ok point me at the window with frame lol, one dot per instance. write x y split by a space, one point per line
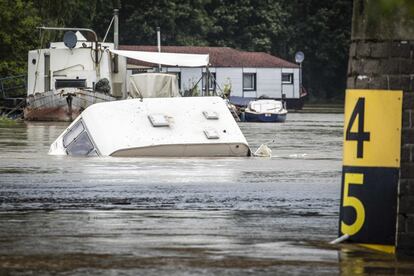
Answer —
139 70
211 81
77 142
249 81
287 78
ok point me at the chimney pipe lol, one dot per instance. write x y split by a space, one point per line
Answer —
116 30
159 45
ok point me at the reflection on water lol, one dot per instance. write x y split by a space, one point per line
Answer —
178 216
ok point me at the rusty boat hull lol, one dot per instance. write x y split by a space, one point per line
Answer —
58 106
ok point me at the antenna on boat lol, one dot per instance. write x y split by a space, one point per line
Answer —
70 39
115 20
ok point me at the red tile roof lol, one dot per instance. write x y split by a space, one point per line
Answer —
219 56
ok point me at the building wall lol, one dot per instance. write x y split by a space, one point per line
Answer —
234 77
268 80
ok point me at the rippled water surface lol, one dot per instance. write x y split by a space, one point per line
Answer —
232 216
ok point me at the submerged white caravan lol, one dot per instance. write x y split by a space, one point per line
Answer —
159 127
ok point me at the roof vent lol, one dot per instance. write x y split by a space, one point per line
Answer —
211 115
211 133
159 120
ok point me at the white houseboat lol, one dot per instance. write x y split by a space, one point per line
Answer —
67 77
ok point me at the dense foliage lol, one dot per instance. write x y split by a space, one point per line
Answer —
319 28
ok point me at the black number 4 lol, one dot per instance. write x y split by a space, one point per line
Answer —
359 136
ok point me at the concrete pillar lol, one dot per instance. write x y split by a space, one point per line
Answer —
382 57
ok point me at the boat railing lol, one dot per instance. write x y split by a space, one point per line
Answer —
13 87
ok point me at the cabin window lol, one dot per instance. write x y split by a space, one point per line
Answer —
78 83
287 78
211 81
249 81
140 70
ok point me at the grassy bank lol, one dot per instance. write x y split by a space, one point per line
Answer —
6 121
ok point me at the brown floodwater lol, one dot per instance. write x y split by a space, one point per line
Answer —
176 216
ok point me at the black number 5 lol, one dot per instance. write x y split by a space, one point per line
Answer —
360 136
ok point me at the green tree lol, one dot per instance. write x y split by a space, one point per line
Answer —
247 24
322 30
181 22
18 20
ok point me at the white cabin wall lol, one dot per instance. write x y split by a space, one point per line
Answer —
118 80
231 76
288 89
65 63
296 81
39 66
72 63
268 82
172 69
222 78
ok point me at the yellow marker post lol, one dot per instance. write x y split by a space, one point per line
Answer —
371 161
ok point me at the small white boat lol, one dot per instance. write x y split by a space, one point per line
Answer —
159 127
265 111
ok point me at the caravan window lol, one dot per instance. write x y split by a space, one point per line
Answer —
73 133
81 146
77 141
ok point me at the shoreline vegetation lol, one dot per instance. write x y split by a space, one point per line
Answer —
321 108
6 121
320 29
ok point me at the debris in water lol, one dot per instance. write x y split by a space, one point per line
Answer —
263 151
